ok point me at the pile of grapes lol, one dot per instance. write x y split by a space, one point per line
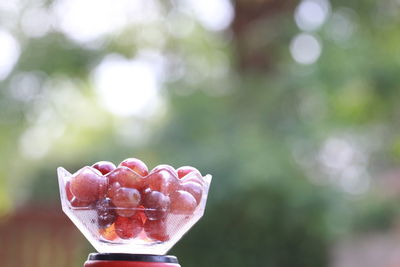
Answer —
132 202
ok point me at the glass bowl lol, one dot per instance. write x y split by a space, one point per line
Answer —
145 228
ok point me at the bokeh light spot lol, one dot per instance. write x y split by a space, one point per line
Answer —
305 48
36 22
311 14
87 21
214 15
344 162
342 25
126 87
33 143
25 86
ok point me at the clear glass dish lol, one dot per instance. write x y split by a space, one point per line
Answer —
107 239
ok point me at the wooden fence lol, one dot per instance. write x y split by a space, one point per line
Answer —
40 237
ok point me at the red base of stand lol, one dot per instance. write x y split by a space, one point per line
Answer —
130 260
128 264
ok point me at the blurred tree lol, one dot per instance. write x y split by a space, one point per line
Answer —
255 32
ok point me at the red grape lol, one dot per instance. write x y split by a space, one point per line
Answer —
87 185
156 205
104 166
125 177
156 230
126 200
193 188
108 233
128 227
70 196
79 204
185 170
73 200
182 202
136 165
162 181
112 189
105 213
166 167
193 177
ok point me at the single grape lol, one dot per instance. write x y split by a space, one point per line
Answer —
112 189
185 170
165 167
125 177
136 165
128 227
104 166
194 176
70 196
156 230
182 202
79 204
156 205
190 174
105 212
162 181
108 233
88 186
193 188
126 200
